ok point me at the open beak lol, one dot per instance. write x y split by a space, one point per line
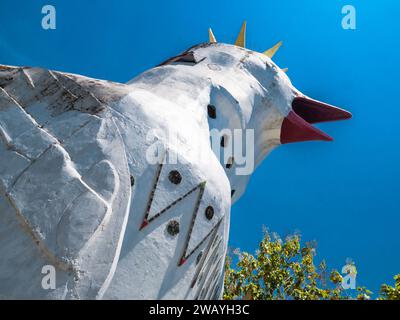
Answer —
296 127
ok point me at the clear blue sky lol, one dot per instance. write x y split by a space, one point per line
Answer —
345 194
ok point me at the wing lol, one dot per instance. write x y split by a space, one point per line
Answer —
64 183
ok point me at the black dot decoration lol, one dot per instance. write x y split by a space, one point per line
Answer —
212 111
199 256
132 181
229 164
209 212
175 177
173 227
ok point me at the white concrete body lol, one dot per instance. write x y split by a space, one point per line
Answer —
69 146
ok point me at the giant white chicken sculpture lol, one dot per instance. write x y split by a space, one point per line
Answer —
117 187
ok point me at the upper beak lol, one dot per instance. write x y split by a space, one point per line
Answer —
296 127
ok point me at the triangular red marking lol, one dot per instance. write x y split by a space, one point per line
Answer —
144 224
182 261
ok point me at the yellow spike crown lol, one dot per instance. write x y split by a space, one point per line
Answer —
241 39
211 36
241 42
271 52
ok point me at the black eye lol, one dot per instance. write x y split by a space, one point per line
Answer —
212 111
224 140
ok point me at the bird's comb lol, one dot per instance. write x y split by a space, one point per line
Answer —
241 42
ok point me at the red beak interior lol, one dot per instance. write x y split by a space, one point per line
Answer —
296 127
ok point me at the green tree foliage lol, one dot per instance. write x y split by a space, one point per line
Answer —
286 270
391 293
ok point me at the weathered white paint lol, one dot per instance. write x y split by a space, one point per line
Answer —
69 145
